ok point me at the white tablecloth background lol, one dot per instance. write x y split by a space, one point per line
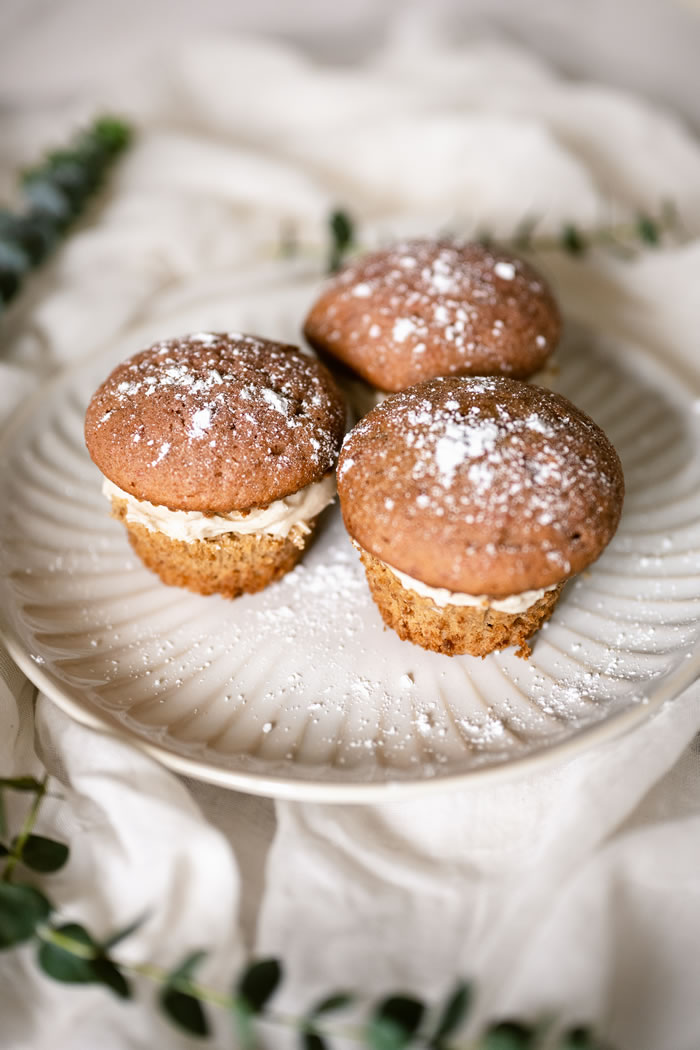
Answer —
575 891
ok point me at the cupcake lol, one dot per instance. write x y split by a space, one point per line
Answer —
217 452
471 502
428 308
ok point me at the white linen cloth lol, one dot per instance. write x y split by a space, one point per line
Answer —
573 891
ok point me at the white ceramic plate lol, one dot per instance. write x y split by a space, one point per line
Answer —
299 692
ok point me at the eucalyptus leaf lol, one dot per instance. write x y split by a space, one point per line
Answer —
342 233
9 284
184 1010
22 908
578 1038
311 1039
13 257
42 854
243 1023
108 973
648 229
259 983
572 240
381 1033
453 1013
184 971
36 234
46 196
65 965
508 1035
80 962
394 1022
126 931
112 133
338 1001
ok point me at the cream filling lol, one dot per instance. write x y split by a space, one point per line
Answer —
512 603
277 519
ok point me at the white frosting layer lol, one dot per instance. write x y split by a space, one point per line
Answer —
513 603
277 519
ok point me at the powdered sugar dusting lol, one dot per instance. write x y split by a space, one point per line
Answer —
453 308
254 405
483 459
201 421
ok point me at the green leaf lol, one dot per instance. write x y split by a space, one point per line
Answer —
454 1012
578 1038
36 235
185 1011
179 1002
108 973
21 783
42 854
184 971
13 257
312 1040
243 1023
112 133
3 816
508 1035
259 982
81 962
65 965
126 931
338 1001
9 284
47 197
342 233
572 240
394 1022
22 908
648 229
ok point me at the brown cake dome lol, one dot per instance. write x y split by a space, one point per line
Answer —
426 308
472 501
218 453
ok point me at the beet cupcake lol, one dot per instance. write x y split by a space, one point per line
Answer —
471 502
426 308
218 453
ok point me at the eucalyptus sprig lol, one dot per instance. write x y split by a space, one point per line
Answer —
67 952
643 230
56 192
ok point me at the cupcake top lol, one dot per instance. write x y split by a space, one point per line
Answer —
427 308
480 485
216 422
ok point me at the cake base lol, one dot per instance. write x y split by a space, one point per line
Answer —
454 629
230 565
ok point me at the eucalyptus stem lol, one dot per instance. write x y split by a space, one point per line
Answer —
645 230
69 953
56 192
15 854
49 935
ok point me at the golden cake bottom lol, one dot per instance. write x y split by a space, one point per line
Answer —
230 565
454 629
